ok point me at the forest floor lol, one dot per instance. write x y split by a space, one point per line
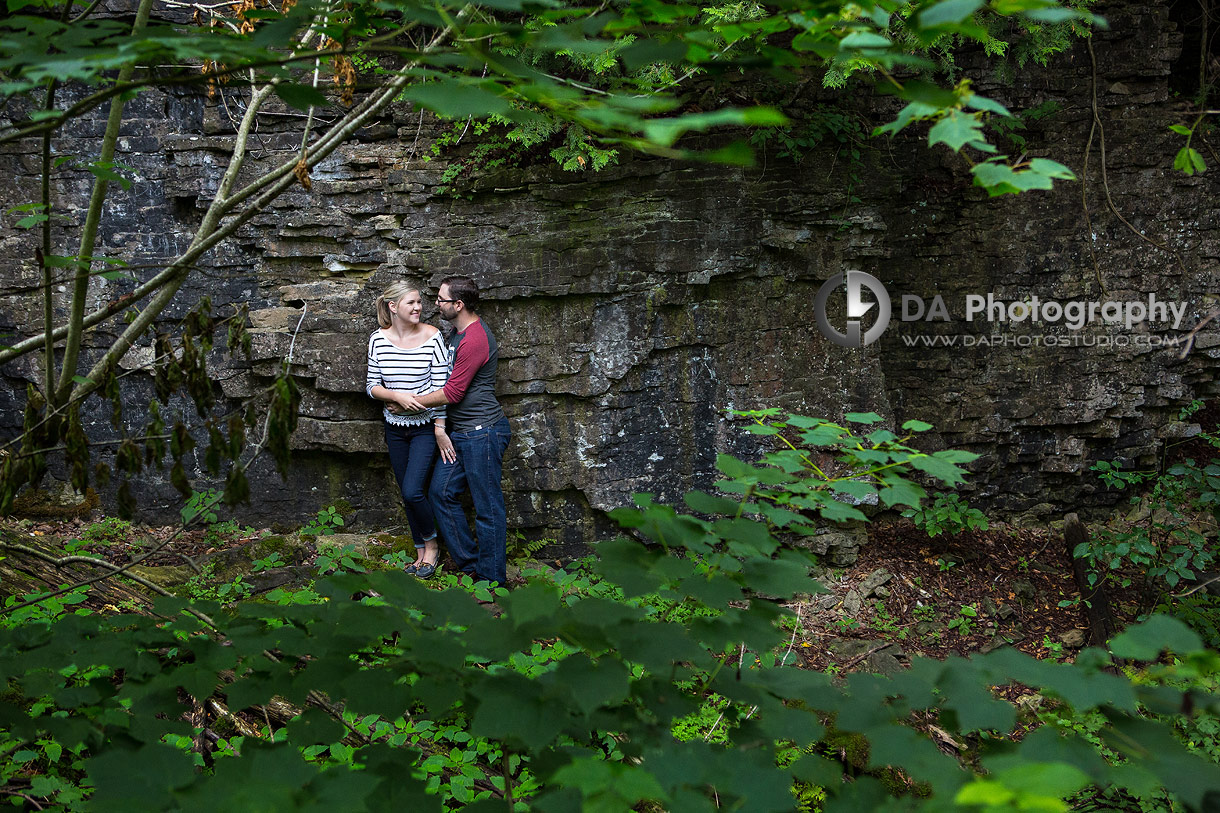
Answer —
907 595
910 595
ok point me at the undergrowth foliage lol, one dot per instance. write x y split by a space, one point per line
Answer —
661 679
1166 544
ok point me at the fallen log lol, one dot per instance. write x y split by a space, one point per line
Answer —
31 565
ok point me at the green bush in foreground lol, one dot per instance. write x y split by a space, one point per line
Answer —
666 683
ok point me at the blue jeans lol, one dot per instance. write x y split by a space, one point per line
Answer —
412 451
480 458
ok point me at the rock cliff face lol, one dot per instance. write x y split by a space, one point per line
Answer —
634 305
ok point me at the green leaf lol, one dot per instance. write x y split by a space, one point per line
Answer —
706 503
1054 16
646 52
840 512
901 492
1180 129
1189 161
987 105
930 94
533 601
956 130
510 709
862 417
315 727
449 97
519 5
946 472
1051 169
916 426
26 207
630 565
985 792
781 578
896 745
1000 179
749 534
118 787
737 153
1153 748
665 131
948 13
1197 160
966 694
593 684
863 40
879 436
302 97
780 517
104 171
616 785
855 489
956 455
1146 641
915 111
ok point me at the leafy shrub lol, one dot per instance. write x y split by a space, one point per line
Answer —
949 514
571 696
108 531
1164 546
339 560
328 520
201 507
967 615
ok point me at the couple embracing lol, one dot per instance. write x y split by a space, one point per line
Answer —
444 428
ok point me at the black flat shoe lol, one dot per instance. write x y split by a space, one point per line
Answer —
426 570
411 569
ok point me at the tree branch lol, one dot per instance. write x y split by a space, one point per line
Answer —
93 218
1190 337
271 185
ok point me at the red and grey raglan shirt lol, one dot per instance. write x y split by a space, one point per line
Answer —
471 388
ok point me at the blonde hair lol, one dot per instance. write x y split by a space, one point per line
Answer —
394 292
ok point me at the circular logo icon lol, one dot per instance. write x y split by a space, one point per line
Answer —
856 308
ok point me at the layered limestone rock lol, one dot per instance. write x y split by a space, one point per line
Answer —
634 305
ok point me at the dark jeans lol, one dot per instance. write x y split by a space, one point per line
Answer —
412 452
480 457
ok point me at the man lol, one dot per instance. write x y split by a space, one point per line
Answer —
480 435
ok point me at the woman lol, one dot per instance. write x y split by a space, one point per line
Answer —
410 357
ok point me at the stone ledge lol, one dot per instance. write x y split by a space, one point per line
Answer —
339 436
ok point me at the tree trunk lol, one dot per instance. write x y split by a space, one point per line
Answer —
1095 600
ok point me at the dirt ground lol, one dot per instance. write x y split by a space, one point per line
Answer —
909 594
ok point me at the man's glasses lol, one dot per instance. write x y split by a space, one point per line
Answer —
439 298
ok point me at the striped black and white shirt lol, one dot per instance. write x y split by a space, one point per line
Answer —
418 370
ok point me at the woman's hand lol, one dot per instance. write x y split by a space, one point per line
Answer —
403 403
409 403
445 444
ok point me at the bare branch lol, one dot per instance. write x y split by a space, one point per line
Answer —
271 185
1190 337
